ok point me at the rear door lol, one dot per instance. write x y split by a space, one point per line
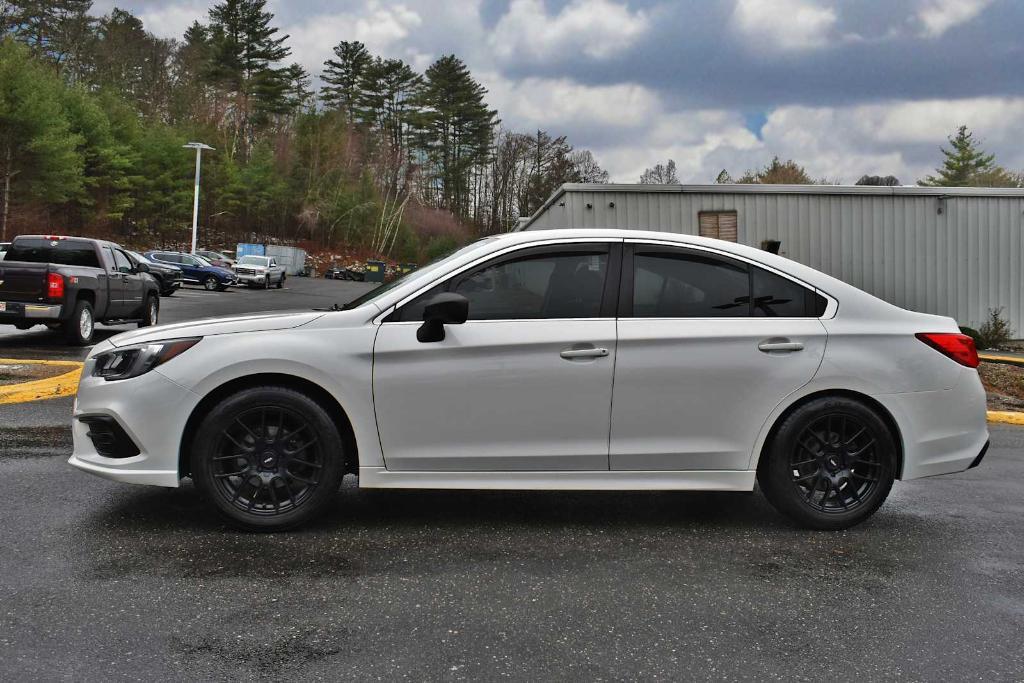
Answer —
524 385
708 346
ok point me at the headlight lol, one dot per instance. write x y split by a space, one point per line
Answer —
131 361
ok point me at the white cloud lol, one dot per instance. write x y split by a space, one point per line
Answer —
938 16
595 28
169 20
381 28
784 24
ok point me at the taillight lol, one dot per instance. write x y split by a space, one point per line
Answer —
959 347
55 286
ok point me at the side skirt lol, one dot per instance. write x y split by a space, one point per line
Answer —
696 480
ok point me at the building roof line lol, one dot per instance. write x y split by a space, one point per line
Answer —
861 190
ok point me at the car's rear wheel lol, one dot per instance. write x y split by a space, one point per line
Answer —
269 458
280 283
210 283
151 311
79 328
830 464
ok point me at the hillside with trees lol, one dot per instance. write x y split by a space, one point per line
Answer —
94 112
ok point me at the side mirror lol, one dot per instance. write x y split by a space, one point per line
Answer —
142 267
443 309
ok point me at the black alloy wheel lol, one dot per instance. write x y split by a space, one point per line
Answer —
269 458
830 464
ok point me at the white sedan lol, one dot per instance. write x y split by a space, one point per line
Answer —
583 359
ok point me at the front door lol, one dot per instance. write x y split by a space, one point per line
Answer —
525 384
708 347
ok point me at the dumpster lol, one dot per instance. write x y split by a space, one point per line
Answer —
406 268
375 271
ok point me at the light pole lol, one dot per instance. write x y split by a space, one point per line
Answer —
198 147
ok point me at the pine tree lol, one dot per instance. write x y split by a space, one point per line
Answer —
965 162
454 130
57 30
342 76
39 157
245 52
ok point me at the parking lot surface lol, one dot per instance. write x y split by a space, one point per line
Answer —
108 581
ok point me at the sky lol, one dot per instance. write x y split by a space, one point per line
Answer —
845 87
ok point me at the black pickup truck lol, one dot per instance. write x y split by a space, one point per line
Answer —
71 283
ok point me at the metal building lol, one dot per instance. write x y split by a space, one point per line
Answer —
951 251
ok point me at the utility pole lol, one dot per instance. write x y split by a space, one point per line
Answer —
198 147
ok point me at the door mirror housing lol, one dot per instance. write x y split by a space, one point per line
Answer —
141 267
447 308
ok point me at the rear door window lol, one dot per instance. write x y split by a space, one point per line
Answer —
689 285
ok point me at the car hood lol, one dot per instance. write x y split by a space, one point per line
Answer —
263 322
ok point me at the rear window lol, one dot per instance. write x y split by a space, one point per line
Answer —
62 252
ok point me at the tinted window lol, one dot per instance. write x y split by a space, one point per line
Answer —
121 262
551 285
169 258
559 285
63 252
775 296
191 261
685 285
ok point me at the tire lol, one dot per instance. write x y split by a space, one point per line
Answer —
151 311
210 283
833 447
257 481
280 283
79 328
266 282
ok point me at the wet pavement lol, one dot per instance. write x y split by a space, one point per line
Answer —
108 581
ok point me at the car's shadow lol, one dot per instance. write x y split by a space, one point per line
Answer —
370 531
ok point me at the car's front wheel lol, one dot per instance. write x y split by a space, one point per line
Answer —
280 283
210 283
830 464
269 458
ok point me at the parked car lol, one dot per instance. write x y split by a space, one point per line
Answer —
550 359
195 269
336 272
167 277
216 258
4 246
260 271
71 283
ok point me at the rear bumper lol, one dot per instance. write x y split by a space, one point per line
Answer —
943 432
17 312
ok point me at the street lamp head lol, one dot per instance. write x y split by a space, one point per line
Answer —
197 145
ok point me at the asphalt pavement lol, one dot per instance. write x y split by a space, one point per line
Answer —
107 581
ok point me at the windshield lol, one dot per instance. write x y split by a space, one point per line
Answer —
138 257
202 261
419 274
253 261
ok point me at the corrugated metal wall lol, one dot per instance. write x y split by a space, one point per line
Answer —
959 263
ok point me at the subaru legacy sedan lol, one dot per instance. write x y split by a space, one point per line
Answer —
562 359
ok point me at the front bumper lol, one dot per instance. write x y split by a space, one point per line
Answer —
151 410
16 312
249 278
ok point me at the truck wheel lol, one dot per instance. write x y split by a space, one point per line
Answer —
210 283
280 283
79 327
151 312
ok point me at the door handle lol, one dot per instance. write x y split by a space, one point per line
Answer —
575 354
779 346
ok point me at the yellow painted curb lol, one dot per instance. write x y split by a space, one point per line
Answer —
996 358
1006 417
42 389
